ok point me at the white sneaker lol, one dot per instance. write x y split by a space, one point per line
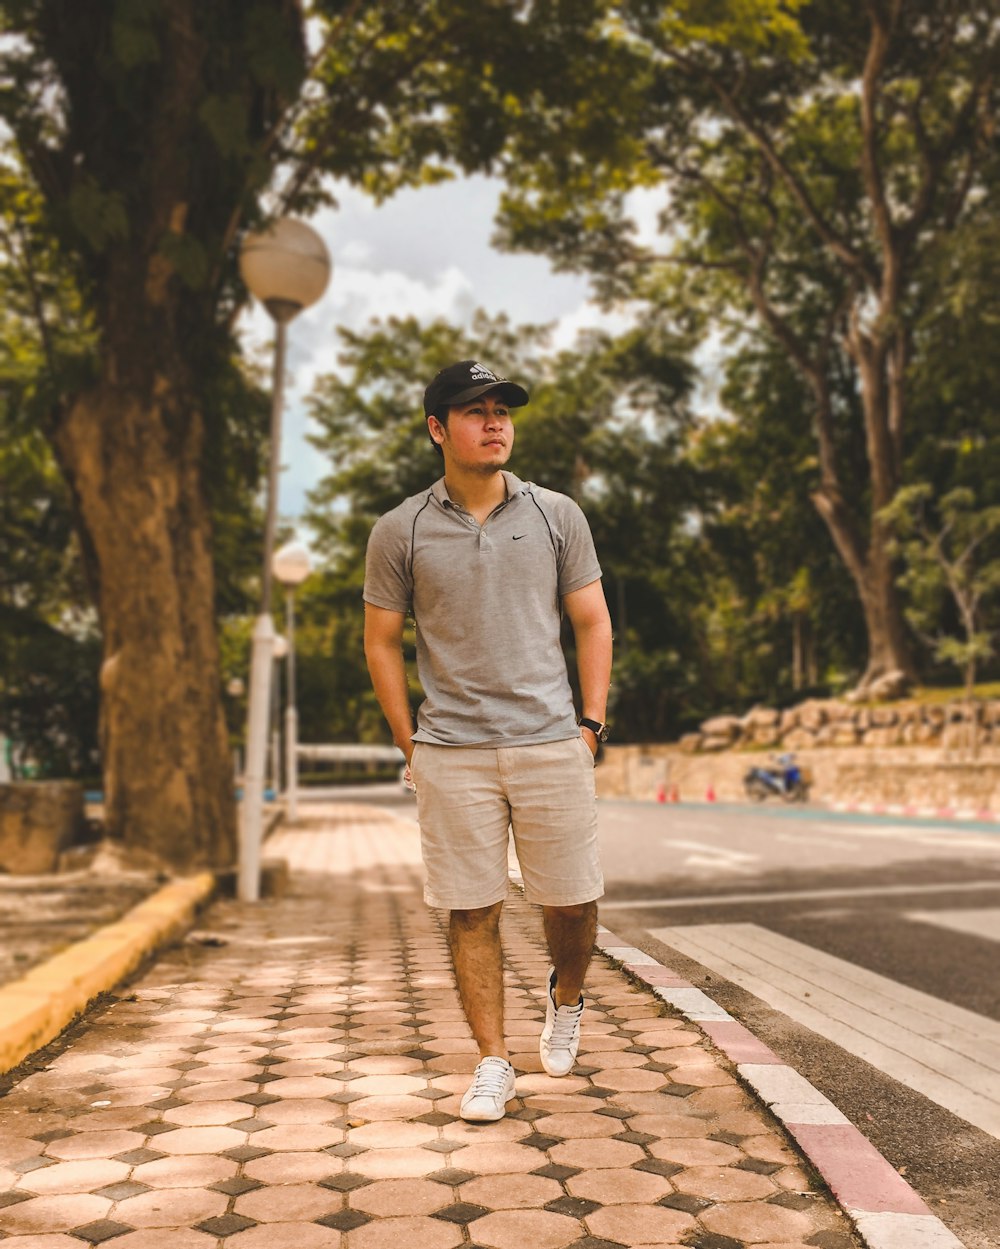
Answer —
491 1089
560 1037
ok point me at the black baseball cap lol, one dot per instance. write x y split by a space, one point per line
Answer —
465 381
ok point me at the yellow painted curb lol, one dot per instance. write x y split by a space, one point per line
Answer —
36 1008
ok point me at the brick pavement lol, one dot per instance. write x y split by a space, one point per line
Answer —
298 1086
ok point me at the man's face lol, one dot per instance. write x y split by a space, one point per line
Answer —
479 435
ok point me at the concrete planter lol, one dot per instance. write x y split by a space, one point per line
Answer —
38 820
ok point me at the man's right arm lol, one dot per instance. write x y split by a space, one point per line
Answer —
384 655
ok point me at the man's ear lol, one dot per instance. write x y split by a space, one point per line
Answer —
436 430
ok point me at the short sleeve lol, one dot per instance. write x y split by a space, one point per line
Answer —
576 557
388 582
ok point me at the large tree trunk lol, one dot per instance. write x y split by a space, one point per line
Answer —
874 576
888 646
134 466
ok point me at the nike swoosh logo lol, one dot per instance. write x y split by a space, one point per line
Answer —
518 536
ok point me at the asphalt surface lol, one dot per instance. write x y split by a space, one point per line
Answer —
882 895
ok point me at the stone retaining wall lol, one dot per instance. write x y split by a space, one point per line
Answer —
911 776
836 722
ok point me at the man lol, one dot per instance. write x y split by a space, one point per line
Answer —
487 563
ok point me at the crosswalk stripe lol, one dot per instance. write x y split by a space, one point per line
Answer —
949 1054
977 923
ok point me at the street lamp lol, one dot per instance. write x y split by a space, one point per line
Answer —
291 565
287 267
278 653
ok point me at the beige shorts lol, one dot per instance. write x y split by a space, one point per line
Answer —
467 799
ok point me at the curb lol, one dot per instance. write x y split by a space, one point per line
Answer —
967 815
884 1209
923 813
36 1008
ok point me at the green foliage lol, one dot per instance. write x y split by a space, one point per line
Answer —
951 551
100 217
609 424
145 134
780 605
821 170
955 437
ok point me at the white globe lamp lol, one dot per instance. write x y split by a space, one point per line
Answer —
286 266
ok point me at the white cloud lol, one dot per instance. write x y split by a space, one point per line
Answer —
588 317
426 253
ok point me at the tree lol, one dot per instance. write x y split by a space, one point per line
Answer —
815 160
144 135
608 424
951 551
794 621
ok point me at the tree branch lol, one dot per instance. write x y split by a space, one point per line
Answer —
838 245
875 59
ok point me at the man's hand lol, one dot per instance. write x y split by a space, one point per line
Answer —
590 737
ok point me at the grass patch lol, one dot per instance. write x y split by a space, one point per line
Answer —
953 693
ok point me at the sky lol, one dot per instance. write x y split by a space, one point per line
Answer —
425 253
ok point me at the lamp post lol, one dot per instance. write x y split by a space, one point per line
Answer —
291 565
287 267
279 653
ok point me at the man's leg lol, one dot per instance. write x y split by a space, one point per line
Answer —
570 932
474 937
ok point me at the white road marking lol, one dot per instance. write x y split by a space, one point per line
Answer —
986 844
984 923
949 1054
712 857
914 835
799 895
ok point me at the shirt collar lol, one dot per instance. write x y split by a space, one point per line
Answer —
514 486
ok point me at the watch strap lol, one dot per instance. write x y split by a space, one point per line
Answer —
599 730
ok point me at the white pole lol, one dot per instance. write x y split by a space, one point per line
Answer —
276 729
252 806
291 720
262 662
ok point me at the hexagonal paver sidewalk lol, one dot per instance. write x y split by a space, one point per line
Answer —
291 1080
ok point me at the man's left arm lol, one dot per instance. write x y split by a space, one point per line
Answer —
588 614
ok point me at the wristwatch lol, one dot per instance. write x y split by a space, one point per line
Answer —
599 730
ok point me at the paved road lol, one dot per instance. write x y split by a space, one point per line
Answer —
864 951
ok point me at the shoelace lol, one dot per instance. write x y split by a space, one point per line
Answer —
489 1079
564 1026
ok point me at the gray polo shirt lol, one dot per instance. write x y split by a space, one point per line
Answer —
487 604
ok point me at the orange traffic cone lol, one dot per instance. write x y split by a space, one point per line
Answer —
710 793
661 792
674 794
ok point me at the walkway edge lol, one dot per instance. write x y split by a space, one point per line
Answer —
36 1008
886 1212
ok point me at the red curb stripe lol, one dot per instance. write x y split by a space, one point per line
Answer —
739 1044
858 1176
861 1180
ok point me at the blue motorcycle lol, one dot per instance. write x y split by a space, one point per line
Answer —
785 780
